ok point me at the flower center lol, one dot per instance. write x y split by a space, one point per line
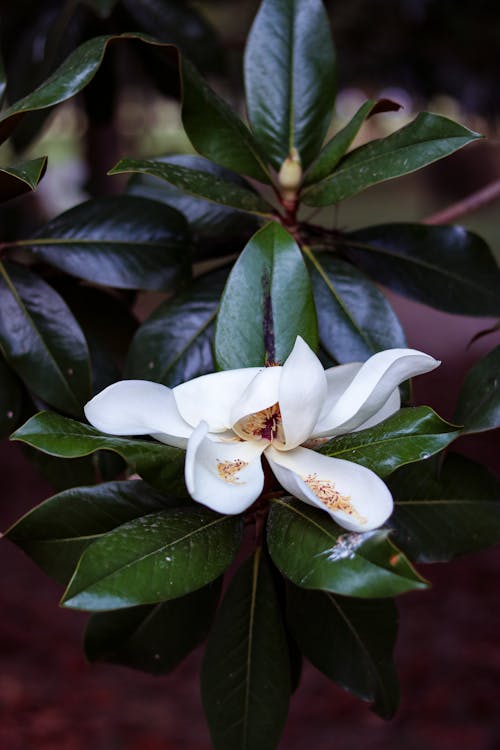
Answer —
325 491
263 425
228 470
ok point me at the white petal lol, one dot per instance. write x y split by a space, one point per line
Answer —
261 393
310 476
371 388
391 406
226 477
337 380
138 407
210 398
302 394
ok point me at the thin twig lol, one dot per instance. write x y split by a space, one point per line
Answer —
472 202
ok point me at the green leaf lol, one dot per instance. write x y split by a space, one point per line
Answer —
205 218
199 183
444 267
159 464
355 319
152 638
245 681
42 341
437 518
69 79
290 78
126 242
315 553
350 640
56 533
424 140
11 399
478 406
256 320
331 154
154 558
409 435
107 320
22 178
175 343
215 130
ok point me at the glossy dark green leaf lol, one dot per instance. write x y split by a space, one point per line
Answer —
478 406
331 154
445 267
424 140
152 638
215 130
11 399
315 553
175 343
159 464
69 79
42 341
199 183
355 319
107 320
56 533
125 241
21 178
205 218
290 78
350 640
157 557
438 517
409 435
245 680
257 321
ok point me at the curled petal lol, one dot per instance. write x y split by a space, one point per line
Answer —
261 393
226 477
352 495
371 388
210 398
138 407
391 406
302 393
338 378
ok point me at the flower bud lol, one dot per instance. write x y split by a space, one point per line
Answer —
290 175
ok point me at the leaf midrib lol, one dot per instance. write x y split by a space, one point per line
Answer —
412 259
140 559
24 310
373 666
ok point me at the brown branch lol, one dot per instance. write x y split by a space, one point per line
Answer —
472 202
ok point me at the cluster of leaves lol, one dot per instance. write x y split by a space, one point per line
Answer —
141 555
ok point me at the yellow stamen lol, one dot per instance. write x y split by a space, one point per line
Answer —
265 424
325 491
228 470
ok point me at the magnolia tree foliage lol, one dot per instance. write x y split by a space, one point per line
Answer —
230 369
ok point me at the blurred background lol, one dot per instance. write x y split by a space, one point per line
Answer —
440 55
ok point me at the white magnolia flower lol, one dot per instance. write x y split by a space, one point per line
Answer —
226 420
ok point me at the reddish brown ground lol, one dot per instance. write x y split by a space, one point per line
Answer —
51 699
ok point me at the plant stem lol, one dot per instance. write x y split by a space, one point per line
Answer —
472 202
